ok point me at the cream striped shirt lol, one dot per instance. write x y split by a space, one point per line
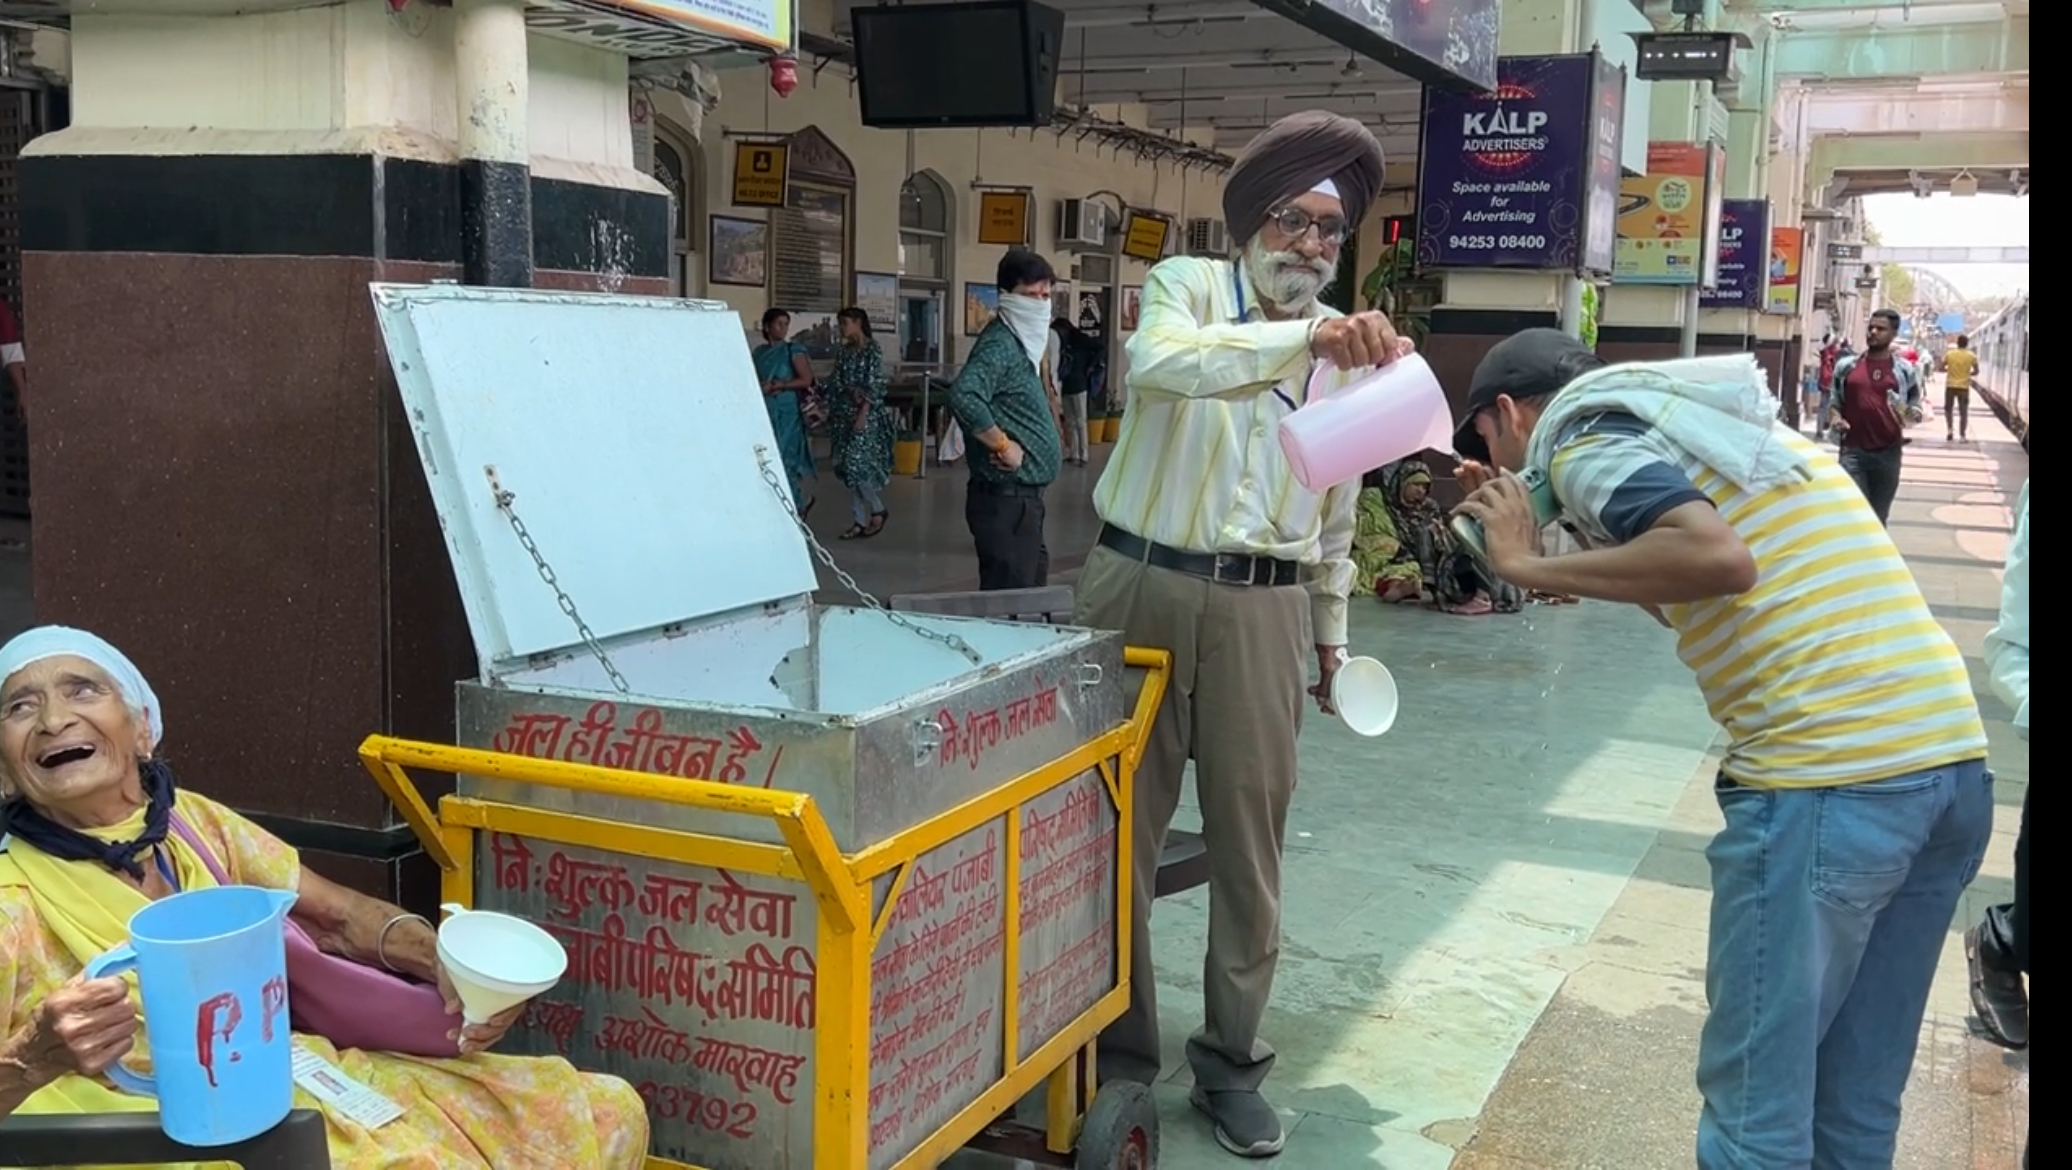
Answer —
1198 464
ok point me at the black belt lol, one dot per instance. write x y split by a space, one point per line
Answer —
991 487
1222 568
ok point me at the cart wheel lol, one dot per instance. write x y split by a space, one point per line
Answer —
1121 1131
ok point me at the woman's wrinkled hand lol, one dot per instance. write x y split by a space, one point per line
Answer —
82 1027
481 1037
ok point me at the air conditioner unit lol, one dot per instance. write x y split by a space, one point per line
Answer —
1208 237
1083 224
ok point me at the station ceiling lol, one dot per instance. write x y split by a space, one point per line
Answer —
1223 65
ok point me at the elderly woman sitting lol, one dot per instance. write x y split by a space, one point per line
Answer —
94 829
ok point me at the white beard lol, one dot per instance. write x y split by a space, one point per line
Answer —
1288 281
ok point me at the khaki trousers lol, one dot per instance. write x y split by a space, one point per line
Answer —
1240 666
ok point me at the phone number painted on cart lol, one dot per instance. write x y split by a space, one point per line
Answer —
1487 242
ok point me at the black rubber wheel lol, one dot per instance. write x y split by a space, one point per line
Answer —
1121 1131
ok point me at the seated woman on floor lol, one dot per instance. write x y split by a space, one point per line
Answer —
1405 551
92 828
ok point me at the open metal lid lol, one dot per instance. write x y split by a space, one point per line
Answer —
623 434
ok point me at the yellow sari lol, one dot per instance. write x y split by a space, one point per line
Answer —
510 1112
88 909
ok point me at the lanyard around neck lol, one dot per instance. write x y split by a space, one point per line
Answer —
1244 316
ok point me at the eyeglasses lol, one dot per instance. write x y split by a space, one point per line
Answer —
1295 223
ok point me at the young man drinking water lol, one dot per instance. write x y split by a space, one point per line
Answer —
1854 785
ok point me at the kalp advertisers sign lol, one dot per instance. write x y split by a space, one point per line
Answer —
1744 256
1503 178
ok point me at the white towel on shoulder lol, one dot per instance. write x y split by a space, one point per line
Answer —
1720 409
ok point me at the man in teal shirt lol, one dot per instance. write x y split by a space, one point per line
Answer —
1002 403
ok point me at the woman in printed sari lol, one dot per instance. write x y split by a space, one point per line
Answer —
1452 579
861 423
786 375
1383 565
94 828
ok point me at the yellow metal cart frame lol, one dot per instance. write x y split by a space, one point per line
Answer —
841 887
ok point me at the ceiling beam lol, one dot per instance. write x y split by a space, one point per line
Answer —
1406 94
1259 120
1176 15
1963 254
1928 50
1868 7
1256 59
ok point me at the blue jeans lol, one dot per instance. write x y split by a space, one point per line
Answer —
1829 910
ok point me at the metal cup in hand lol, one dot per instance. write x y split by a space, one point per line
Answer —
1545 510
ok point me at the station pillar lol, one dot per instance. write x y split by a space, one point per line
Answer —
226 484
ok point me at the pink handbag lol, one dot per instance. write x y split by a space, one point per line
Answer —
351 1004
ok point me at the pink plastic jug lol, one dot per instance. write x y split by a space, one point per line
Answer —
1388 414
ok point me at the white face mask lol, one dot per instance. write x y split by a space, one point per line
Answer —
1287 280
1029 318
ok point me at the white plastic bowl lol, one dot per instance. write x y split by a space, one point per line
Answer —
1364 692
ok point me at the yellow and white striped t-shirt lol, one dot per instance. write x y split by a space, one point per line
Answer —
1831 670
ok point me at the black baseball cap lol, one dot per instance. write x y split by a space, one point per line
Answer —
1532 364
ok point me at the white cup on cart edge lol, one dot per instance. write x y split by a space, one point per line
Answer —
1364 694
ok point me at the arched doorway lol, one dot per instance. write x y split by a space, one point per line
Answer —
676 167
925 268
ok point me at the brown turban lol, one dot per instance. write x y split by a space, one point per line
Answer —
1290 158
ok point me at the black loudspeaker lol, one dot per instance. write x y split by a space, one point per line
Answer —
989 63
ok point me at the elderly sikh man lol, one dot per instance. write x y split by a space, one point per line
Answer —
1210 549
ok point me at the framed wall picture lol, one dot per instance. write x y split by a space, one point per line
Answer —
877 294
740 253
981 302
1132 304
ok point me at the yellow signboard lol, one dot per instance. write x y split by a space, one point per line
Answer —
1003 217
1144 237
759 173
1662 218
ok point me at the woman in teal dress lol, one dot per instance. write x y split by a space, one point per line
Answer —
860 423
786 375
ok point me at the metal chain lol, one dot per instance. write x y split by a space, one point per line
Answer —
783 494
504 500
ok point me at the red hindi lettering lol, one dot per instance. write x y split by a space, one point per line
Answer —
591 744
741 744
557 1020
531 733
510 862
668 897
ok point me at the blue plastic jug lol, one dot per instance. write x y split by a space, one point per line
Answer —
212 967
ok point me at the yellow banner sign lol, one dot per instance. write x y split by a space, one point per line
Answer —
759 173
1662 218
1144 237
1003 218
1786 262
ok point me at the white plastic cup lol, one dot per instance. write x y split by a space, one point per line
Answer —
1364 694
495 961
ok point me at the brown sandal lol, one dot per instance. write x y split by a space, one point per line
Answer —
877 523
855 531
